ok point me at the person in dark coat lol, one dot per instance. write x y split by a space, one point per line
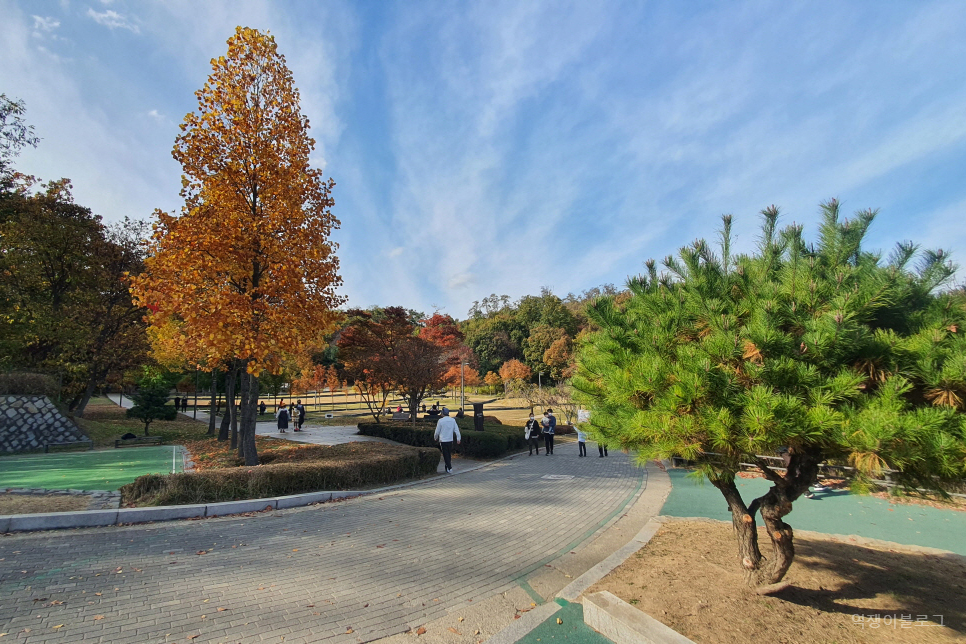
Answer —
177 403
531 434
282 416
299 413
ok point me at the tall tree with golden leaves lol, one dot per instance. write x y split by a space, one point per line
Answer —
247 269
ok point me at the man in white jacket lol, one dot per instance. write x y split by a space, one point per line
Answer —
446 431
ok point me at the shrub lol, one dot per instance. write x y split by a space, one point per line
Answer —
493 441
265 481
18 383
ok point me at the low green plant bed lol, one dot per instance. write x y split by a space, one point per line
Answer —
374 465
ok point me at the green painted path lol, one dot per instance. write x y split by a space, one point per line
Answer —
94 470
573 629
833 512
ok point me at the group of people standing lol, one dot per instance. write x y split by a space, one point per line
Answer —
297 416
545 427
181 404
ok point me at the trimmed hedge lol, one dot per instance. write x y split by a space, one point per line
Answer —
264 481
18 383
493 441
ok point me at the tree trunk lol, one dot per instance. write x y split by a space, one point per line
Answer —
225 426
234 411
86 397
802 471
249 411
214 402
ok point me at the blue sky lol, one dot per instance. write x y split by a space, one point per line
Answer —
498 147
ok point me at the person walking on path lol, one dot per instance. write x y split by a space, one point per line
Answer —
602 448
261 407
299 415
184 405
282 416
582 442
177 403
446 431
531 434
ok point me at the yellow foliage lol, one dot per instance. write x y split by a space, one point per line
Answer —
247 269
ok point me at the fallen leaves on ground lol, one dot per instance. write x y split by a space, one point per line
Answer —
420 631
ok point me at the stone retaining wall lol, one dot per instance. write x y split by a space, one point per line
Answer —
30 422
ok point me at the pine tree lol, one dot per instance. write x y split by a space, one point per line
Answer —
824 349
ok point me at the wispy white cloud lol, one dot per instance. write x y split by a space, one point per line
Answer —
47 24
500 146
113 20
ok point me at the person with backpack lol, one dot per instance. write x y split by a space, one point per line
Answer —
531 434
282 416
299 415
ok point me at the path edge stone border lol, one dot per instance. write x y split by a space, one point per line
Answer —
620 622
614 618
126 516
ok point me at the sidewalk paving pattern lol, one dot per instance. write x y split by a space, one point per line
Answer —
832 512
346 572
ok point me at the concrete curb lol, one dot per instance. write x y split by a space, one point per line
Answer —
127 516
57 520
521 627
98 518
617 620
576 588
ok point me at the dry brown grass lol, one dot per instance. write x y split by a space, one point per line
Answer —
36 503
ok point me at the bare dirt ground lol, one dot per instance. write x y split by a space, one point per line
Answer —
688 578
34 503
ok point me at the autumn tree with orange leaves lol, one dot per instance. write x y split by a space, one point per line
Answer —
225 269
514 370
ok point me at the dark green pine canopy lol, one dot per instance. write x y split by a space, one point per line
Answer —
822 348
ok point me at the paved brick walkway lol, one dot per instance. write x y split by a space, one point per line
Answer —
346 572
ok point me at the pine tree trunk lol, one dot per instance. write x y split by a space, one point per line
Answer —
759 570
214 402
249 411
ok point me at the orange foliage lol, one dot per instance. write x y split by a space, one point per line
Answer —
469 377
513 369
247 270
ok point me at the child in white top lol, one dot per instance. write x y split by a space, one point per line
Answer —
582 442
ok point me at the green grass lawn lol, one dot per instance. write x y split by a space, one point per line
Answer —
93 470
104 422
